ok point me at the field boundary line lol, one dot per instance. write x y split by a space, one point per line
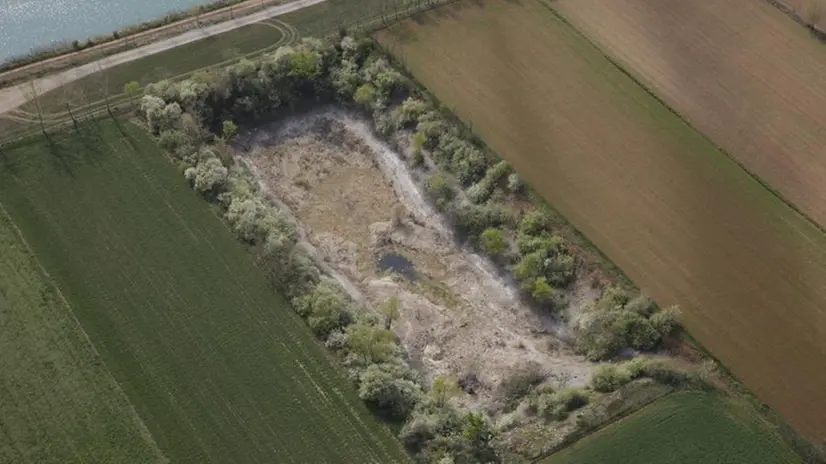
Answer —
289 35
14 96
817 33
567 443
630 75
49 281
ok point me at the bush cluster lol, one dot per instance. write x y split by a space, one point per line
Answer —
611 377
556 404
545 264
618 321
196 118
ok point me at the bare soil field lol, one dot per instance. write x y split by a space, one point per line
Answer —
357 203
811 12
739 71
684 221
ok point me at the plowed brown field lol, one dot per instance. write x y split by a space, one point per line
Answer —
683 220
740 71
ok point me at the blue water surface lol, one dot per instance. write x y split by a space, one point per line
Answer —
32 24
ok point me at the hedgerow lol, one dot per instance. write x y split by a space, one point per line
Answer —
195 120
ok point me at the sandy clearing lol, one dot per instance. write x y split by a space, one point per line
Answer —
685 223
344 186
739 71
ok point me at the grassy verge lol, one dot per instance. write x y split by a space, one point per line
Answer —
56 397
131 36
175 62
217 366
683 428
317 20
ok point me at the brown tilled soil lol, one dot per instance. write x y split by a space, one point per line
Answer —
740 71
811 12
679 217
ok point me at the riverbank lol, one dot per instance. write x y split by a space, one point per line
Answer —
76 53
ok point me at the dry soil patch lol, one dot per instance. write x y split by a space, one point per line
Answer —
357 203
740 71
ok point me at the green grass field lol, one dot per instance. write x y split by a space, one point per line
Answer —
216 365
683 428
317 20
326 17
178 61
58 401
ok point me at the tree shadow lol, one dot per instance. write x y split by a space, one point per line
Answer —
61 157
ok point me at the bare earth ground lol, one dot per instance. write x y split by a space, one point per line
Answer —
681 219
810 11
345 187
740 71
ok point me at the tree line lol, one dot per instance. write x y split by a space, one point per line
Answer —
195 121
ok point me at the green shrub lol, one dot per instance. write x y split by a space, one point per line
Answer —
558 405
468 164
170 140
417 142
534 222
408 113
529 268
438 189
641 305
494 242
428 423
372 343
434 127
209 176
542 291
336 341
637 330
666 373
472 220
543 242
365 95
666 321
480 192
388 394
635 367
618 321
609 377
560 269
515 183
325 309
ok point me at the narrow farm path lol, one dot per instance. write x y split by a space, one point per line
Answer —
15 96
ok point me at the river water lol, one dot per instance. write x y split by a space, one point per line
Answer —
30 24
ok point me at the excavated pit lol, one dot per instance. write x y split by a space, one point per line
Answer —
362 213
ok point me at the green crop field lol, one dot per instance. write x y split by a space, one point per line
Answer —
216 365
317 20
168 64
683 428
57 399
680 218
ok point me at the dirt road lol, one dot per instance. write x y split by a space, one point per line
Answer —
15 96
